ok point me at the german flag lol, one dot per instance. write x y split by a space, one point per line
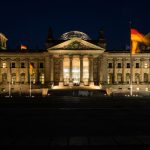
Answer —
137 37
23 47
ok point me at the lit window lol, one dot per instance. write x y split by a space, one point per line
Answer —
4 65
109 78
137 78
127 77
33 79
146 77
22 78
4 77
119 77
146 89
145 65
42 78
137 88
13 78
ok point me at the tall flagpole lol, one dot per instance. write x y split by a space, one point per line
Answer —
30 87
30 80
131 65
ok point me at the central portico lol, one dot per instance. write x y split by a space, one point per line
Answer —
76 57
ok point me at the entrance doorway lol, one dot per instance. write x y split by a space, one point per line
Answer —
76 71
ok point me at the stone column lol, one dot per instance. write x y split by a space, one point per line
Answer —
71 58
18 66
123 70
141 70
47 69
51 69
61 83
114 70
91 70
81 71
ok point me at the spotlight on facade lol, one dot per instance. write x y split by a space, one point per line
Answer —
137 88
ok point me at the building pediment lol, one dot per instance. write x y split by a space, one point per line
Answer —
76 44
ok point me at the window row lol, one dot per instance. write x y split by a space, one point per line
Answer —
22 78
119 65
111 78
22 65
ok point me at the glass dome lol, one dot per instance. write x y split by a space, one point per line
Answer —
72 34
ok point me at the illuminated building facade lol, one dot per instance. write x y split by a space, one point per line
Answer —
73 61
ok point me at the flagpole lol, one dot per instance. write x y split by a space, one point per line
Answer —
9 86
30 87
30 81
131 66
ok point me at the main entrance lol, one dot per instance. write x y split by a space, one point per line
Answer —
72 68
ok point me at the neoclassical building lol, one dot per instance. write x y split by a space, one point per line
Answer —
74 60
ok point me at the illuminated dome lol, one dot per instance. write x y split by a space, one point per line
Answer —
72 34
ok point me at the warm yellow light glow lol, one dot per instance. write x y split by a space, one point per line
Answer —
137 88
145 65
4 65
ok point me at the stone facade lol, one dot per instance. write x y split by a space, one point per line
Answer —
74 62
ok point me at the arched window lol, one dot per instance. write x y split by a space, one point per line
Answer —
146 77
13 78
119 77
4 77
128 77
137 78
22 78
42 78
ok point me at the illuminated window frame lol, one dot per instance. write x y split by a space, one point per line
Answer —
4 65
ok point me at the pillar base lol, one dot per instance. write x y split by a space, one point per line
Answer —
61 84
81 83
91 84
70 83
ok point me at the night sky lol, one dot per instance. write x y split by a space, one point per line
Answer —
27 21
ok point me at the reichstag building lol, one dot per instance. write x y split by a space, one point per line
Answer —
73 61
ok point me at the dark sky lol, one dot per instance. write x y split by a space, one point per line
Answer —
27 21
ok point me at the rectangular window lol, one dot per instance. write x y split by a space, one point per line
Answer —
110 65
4 65
119 65
128 65
42 78
13 65
22 65
41 65
137 65
145 65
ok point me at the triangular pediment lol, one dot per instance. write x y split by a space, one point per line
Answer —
76 44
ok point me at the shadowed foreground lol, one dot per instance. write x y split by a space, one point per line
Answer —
75 123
